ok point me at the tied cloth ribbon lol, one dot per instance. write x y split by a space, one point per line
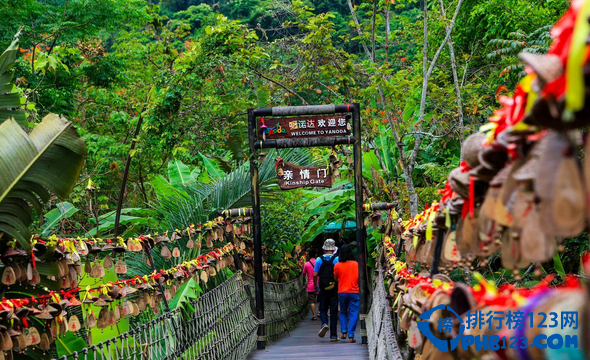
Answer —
263 128
470 201
469 204
447 193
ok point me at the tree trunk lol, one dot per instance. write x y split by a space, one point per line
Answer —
359 30
387 32
409 160
427 72
373 30
455 78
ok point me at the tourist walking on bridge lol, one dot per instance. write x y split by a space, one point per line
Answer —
346 273
312 288
324 277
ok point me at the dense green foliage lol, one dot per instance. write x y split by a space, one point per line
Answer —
190 69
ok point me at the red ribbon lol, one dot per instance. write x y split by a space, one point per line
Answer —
464 167
447 193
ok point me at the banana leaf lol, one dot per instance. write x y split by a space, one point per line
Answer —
211 167
63 210
9 101
187 292
33 165
179 173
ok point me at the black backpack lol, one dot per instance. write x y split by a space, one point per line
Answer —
326 273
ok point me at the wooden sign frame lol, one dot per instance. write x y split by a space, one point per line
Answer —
304 127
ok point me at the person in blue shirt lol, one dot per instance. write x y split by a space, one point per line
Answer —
323 277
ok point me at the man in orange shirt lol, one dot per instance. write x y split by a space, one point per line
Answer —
346 273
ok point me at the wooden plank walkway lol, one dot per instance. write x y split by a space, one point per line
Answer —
303 342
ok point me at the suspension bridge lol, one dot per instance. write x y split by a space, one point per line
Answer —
221 325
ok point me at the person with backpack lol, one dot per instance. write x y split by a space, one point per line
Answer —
312 289
346 273
328 296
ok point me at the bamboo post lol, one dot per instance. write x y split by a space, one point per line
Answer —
236 212
378 206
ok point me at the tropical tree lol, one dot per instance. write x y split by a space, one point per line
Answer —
185 198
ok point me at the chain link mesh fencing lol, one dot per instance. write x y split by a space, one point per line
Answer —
380 334
221 327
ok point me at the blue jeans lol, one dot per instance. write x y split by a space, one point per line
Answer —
329 300
349 312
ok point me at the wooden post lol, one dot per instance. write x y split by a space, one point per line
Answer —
440 238
258 280
360 223
400 247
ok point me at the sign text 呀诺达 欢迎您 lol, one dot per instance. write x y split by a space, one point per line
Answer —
302 127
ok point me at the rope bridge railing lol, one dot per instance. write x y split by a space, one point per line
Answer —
380 334
221 327
285 304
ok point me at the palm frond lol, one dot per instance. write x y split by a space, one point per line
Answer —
518 34
198 200
541 32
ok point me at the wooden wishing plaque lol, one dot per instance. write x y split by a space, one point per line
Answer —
292 176
304 127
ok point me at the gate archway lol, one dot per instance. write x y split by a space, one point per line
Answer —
310 138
